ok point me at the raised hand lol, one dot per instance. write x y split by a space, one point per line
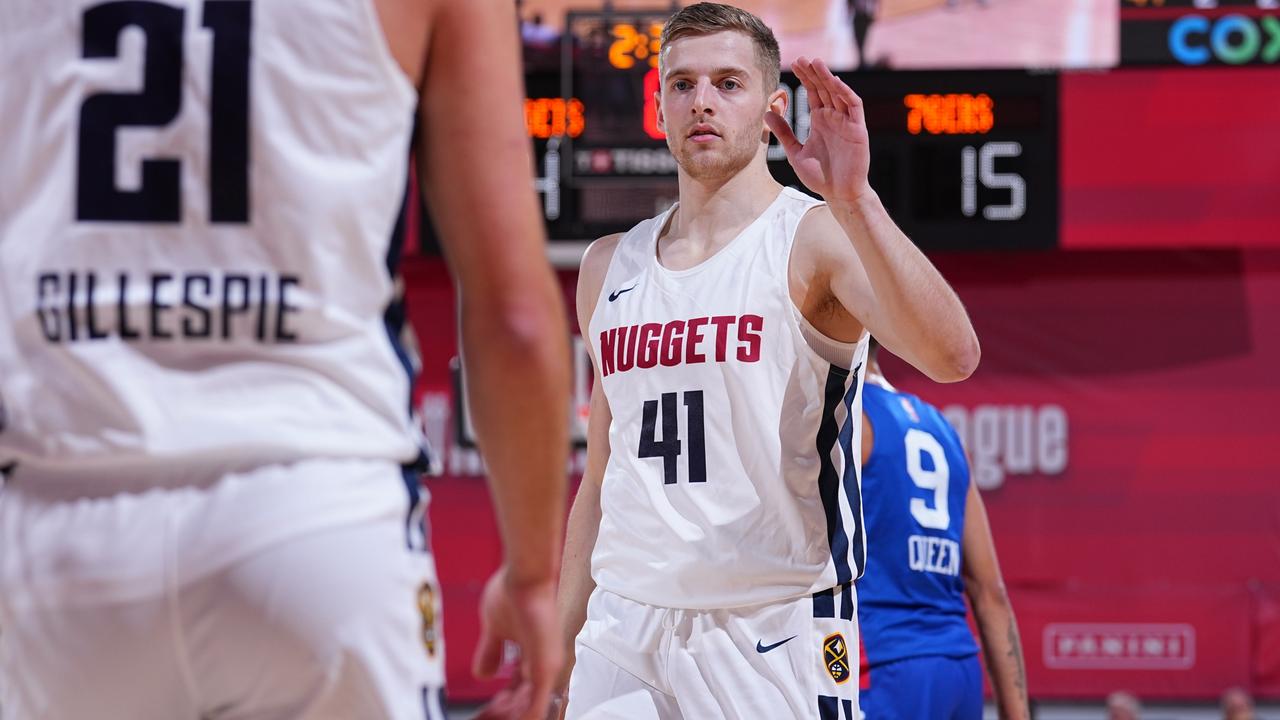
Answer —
833 162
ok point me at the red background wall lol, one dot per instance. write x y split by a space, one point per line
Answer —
1164 523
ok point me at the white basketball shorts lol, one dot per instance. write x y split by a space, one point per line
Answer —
299 591
791 659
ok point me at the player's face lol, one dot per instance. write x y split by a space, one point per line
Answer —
712 102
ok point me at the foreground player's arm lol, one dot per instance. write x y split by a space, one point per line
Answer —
853 246
477 176
991 608
576 584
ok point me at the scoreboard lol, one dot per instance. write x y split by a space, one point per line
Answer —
1159 155
960 159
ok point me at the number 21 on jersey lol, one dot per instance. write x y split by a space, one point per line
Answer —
158 104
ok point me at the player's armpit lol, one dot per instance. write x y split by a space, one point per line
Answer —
821 253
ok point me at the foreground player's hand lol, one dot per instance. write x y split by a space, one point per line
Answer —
833 162
525 614
512 701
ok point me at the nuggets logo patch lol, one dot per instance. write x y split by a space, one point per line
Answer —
835 654
427 607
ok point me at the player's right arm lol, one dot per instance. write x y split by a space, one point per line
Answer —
851 250
997 625
477 173
576 584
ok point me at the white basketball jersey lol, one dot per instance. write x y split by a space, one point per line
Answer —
196 209
734 450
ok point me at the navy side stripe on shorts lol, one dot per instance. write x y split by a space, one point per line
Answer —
824 602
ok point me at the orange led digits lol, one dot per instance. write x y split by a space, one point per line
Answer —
552 117
950 114
631 45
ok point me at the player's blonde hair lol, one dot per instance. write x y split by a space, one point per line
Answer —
706 18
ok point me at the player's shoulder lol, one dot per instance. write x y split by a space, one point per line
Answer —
918 410
937 419
596 260
923 408
592 270
818 226
820 244
598 255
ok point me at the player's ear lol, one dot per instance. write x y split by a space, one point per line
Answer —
657 108
778 101
775 102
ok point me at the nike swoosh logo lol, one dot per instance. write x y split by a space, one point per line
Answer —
618 293
766 648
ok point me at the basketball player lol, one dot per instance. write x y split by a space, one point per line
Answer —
931 546
208 516
718 528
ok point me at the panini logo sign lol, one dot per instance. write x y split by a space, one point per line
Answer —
1119 646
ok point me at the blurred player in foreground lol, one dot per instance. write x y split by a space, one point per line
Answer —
717 532
931 546
212 511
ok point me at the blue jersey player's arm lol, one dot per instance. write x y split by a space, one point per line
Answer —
997 625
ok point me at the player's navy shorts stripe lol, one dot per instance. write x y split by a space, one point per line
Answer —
852 484
824 604
846 602
848 709
433 704
828 478
828 707
417 531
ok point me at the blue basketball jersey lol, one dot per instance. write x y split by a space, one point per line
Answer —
916 480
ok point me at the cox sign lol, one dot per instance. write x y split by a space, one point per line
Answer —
1232 39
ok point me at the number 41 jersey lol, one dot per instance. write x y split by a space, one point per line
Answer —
196 211
733 470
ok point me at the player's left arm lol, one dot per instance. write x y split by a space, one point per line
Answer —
875 272
997 625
